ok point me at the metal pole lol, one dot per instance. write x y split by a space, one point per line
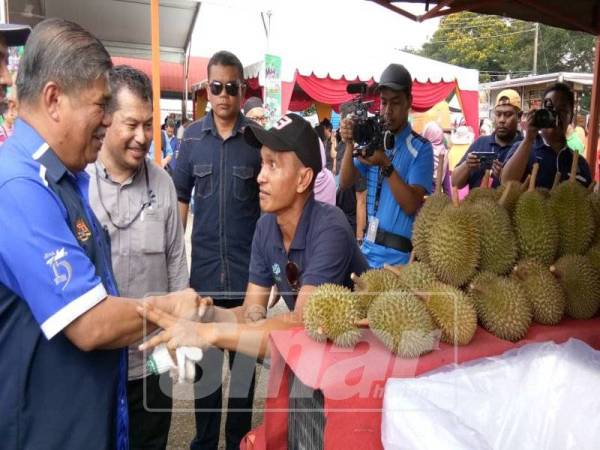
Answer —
155 22
592 143
535 48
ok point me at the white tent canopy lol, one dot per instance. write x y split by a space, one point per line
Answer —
366 64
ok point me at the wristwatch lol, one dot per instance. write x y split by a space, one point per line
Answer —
387 170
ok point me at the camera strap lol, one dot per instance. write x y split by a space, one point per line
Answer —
380 178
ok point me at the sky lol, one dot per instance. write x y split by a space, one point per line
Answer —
301 25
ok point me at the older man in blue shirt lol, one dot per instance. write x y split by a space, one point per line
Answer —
63 327
397 178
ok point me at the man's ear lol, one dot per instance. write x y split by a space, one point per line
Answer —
52 99
305 177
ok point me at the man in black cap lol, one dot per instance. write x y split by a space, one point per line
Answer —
10 36
397 178
299 244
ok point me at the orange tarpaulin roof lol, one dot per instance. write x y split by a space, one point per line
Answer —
171 74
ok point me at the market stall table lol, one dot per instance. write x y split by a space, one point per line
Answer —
350 382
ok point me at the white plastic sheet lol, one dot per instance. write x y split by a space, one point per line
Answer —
541 396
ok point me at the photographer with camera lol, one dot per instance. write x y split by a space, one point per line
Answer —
546 142
398 177
490 152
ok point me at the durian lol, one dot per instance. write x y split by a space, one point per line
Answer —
401 321
414 276
498 247
544 292
483 192
332 312
595 204
454 244
535 225
452 311
593 255
572 208
372 283
427 217
581 283
515 189
502 306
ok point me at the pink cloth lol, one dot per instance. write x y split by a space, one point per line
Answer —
434 134
325 182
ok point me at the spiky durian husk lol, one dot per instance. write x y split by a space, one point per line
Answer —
424 221
536 228
581 284
571 206
402 323
544 292
452 311
513 195
454 245
372 283
502 306
595 204
416 275
498 246
332 312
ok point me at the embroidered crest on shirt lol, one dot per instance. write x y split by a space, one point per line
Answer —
276 272
82 231
60 267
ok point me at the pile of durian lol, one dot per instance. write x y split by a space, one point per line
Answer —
502 258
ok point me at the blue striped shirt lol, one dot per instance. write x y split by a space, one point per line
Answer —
412 158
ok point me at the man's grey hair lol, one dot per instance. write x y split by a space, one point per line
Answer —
127 77
63 52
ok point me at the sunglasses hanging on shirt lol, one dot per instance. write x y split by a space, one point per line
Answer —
232 88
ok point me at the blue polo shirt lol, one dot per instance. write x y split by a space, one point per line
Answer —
54 266
550 162
324 250
488 144
412 158
226 208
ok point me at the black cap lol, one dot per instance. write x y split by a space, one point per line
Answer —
14 34
396 77
291 133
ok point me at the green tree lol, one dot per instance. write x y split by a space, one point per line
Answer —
498 46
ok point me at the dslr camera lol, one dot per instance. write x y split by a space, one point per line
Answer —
370 132
545 117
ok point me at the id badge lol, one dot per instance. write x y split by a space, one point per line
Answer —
372 229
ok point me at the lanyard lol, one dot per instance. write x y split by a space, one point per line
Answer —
380 183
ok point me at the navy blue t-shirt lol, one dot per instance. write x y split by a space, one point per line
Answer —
324 249
550 162
488 144
54 266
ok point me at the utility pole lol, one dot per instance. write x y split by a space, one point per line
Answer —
535 47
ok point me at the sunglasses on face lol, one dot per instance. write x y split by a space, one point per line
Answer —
293 276
232 88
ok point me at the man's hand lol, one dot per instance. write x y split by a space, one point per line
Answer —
473 163
497 169
378 158
177 332
186 304
346 128
532 130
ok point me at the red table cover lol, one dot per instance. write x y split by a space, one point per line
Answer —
353 380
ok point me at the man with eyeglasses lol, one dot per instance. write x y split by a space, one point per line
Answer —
547 146
299 244
255 111
215 159
136 202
